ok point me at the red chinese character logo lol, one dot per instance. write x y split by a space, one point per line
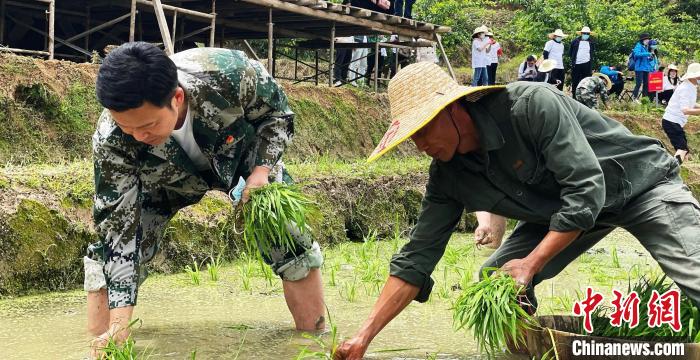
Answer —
626 309
665 309
587 306
390 134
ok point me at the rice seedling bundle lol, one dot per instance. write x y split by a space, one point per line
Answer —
275 215
491 310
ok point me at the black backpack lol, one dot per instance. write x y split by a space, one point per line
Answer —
630 61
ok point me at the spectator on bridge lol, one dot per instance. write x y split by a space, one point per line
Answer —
343 57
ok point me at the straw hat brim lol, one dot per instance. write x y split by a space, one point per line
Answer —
692 75
553 35
547 65
608 82
589 32
404 127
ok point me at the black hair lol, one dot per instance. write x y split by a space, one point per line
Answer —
531 58
134 73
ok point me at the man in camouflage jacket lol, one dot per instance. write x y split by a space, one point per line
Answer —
233 120
588 89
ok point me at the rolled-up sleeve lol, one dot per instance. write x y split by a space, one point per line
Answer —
558 136
271 116
427 241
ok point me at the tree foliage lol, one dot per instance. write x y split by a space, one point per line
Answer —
616 24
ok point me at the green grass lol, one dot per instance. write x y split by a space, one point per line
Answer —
214 267
126 350
193 273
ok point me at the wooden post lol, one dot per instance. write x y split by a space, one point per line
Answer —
376 65
444 56
174 26
331 57
274 59
52 21
296 62
213 23
132 21
163 25
2 21
270 50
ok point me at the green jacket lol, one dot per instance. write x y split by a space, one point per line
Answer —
240 119
545 159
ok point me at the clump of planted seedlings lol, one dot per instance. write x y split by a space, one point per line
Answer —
689 316
491 310
275 215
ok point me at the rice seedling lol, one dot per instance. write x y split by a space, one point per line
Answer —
689 316
213 267
327 348
445 292
126 350
193 273
275 215
349 290
615 258
267 273
431 356
491 310
245 269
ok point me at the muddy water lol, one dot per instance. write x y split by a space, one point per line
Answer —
221 320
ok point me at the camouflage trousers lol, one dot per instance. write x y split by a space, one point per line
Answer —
290 266
587 98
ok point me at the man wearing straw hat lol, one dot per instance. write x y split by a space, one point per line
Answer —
581 52
528 152
589 88
554 49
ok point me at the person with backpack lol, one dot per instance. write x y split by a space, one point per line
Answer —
528 69
581 53
617 78
643 65
554 49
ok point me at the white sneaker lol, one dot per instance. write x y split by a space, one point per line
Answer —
338 83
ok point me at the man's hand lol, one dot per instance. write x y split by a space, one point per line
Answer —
490 230
521 270
353 349
258 178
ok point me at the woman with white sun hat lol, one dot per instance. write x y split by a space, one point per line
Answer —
683 103
554 49
481 46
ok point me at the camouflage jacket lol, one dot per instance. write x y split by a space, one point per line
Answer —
589 88
240 118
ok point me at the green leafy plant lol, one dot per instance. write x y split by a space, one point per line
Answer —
124 351
491 310
275 214
246 271
327 348
615 258
349 290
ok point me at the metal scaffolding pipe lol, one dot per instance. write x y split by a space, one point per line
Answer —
132 21
376 65
270 50
2 21
213 23
163 25
174 26
179 9
52 21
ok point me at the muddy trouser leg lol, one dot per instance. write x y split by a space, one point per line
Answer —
152 227
527 236
295 264
666 221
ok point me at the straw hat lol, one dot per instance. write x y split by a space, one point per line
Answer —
608 82
672 67
693 72
586 30
556 33
480 29
489 33
547 65
416 95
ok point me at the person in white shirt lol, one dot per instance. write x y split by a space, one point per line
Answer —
581 53
683 103
528 69
493 58
480 56
670 84
554 49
